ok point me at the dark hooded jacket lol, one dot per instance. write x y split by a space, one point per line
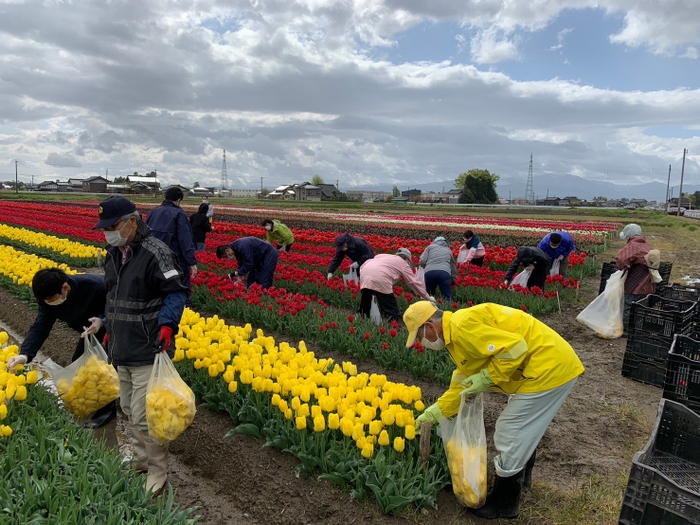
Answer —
143 294
528 255
358 251
200 223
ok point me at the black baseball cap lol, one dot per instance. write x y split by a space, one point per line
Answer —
113 209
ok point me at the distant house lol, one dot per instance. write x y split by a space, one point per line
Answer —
185 190
287 192
202 192
152 182
400 200
63 186
242 193
411 193
119 188
48 185
307 192
327 191
75 184
95 184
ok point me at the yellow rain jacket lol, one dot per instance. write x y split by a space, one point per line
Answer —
522 355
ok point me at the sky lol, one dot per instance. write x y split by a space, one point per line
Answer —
361 92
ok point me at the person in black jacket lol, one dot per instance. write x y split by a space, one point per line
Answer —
73 299
201 225
533 259
145 301
256 258
356 249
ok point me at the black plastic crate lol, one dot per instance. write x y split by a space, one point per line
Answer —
683 372
661 318
664 483
644 369
678 292
610 268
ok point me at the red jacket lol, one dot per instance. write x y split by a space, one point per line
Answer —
631 257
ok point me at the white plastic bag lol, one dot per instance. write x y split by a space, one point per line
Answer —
464 438
420 274
374 313
170 403
521 279
351 276
462 255
604 314
555 267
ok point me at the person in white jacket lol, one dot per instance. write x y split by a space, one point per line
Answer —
440 268
378 277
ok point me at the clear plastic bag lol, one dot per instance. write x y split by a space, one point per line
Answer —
351 276
170 403
604 314
464 438
554 270
521 279
420 274
462 255
89 383
374 313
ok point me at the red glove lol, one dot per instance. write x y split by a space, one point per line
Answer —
165 334
105 341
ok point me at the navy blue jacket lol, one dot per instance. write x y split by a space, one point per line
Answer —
86 299
565 248
358 251
251 253
170 225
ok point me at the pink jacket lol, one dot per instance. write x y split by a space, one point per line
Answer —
384 271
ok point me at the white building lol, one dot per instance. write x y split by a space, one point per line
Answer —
241 194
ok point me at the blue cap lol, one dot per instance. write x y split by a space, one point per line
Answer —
113 209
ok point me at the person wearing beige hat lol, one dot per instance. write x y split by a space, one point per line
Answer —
505 350
633 258
378 277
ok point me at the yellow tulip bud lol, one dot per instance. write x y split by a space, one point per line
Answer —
383 438
333 421
399 444
301 422
319 423
5 431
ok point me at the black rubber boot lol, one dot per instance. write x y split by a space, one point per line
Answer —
504 500
527 480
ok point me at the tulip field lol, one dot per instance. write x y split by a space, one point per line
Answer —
351 427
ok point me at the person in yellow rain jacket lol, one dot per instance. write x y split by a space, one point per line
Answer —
504 350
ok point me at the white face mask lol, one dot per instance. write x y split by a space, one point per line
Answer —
268 227
58 301
115 237
433 345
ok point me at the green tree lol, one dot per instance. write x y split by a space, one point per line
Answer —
316 180
119 180
695 198
196 185
396 192
478 186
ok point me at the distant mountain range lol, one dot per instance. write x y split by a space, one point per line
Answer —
561 186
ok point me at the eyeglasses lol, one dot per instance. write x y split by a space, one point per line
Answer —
113 227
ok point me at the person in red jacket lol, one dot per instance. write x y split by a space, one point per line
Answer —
632 259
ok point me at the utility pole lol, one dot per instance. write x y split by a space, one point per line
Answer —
668 185
16 180
261 184
680 191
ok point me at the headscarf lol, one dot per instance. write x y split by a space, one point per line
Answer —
629 231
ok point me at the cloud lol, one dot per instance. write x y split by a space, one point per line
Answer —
560 38
62 160
291 89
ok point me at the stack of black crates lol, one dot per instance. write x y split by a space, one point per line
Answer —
654 322
664 483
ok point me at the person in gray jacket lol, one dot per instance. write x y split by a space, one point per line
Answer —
440 268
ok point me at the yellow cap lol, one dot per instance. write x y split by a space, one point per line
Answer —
415 316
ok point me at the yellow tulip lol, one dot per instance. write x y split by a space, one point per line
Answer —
333 421
319 423
399 444
368 450
301 422
384 438
5 431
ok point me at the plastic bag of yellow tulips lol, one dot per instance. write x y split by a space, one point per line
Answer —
464 438
89 383
170 406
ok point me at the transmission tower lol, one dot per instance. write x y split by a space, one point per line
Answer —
224 175
529 191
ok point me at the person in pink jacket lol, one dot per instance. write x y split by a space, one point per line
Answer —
378 277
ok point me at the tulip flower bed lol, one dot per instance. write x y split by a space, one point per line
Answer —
17 270
60 250
357 429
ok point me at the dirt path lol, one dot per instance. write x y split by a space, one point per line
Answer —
236 481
